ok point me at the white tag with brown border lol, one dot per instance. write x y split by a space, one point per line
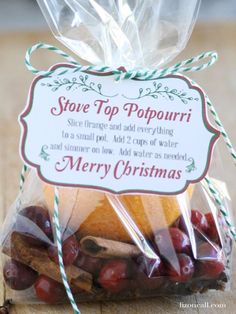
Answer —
132 136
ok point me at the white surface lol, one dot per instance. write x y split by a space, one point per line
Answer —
20 15
218 10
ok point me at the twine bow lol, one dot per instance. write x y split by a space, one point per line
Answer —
140 74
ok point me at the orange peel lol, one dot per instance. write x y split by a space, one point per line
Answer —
89 212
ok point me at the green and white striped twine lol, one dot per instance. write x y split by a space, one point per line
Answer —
141 74
218 201
60 252
222 130
22 176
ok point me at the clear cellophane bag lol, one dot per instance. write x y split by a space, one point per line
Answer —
126 246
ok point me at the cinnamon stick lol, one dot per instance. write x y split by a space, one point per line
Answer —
103 248
37 259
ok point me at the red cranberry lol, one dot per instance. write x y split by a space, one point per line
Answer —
183 271
40 217
168 240
113 275
164 244
212 231
18 276
210 260
180 240
181 224
70 250
90 264
150 267
49 291
199 220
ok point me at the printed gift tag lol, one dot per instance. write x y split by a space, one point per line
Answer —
87 130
